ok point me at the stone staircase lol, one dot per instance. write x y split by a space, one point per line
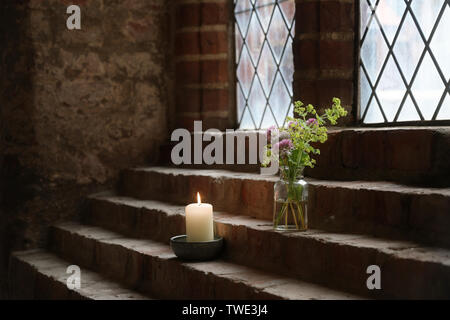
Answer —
122 246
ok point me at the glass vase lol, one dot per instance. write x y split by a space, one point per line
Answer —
290 202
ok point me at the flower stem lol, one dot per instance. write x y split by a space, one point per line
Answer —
280 214
293 214
300 212
286 217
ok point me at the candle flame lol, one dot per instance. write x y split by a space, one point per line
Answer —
199 200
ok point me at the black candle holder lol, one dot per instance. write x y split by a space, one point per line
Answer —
196 251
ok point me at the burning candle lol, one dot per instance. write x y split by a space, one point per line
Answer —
199 221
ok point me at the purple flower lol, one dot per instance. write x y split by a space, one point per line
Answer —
283 147
311 121
285 144
291 124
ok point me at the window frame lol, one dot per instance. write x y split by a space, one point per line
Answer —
235 64
358 63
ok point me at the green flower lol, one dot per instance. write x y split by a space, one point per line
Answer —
307 128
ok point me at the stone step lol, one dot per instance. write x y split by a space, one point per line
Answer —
382 209
411 155
152 267
408 270
37 274
377 208
237 192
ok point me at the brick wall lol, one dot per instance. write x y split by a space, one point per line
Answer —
324 53
76 106
204 63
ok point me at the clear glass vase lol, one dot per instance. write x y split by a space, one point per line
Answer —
290 201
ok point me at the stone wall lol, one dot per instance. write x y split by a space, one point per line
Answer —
77 106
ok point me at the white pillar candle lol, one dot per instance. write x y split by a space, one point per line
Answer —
199 221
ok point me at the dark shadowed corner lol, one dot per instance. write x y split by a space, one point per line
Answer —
16 98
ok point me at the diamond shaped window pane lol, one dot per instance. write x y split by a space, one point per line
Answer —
427 88
247 121
440 44
255 38
264 13
390 90
257 102
278 34
373 51
374 114
389 14
287 66
409 47
408 112
280 100
412 84
426 12
243 20
245 71
265 67
288 9
268 119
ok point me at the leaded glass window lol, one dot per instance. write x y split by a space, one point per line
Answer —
405 60
264 32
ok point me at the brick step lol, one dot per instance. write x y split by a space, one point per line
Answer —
411 155
382 209
377 208
409 270
37 274
153 268
236 192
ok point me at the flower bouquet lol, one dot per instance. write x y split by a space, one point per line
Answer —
292 147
